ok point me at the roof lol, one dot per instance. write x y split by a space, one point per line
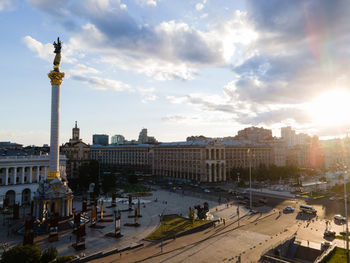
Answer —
121 146
212 142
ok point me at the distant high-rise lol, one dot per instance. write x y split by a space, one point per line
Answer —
100 139
254 134
118 139
143 138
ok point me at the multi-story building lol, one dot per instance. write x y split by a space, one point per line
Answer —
100 139
254 134
77 152
144 138
20 174
118 139
137 156
207 161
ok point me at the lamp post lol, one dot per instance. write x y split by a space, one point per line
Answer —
346 215
250 179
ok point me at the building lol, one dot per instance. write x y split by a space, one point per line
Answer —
207 161
77 153
254 134
100 139
118 139
11 145
291 138
144 138
138 156
21 173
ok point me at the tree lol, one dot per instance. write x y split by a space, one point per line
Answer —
108 182
23 254
89 173
48 255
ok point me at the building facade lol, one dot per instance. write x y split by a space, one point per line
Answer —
254 134
207 161
118 139
137 156
77 153
100 139
20 175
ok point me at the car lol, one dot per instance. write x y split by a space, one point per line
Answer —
329 233
332 198
340 218
253 212
206 190
288 209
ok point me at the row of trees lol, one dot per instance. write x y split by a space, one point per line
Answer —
32 254
272 173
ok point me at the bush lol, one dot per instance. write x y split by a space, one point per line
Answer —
65 259
22 254
48 255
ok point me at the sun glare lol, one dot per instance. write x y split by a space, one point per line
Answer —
331 108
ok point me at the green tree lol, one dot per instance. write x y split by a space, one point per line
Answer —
48 255
89 173
22 254
109 182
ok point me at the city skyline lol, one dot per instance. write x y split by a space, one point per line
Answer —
178 69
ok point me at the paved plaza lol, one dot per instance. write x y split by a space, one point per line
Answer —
253 236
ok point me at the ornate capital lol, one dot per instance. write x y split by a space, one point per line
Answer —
56 77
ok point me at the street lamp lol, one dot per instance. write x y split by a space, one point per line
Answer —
346 215
250 179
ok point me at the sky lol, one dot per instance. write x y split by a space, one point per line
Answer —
178 68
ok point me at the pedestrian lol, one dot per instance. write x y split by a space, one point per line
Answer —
120 255
70 238
224 221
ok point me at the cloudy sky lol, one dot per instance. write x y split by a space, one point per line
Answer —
178 68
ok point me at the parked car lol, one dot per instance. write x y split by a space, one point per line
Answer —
340 218
329 233
207 190
253 212
288 209
332 198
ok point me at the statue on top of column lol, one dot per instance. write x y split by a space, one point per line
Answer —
57 60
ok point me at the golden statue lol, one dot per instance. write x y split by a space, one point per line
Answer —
57 60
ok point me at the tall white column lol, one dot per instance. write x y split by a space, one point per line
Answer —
6 176
22 175
30 174
15 175
56 78
38 174
45 173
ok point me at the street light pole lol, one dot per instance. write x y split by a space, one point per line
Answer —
250 178
346 215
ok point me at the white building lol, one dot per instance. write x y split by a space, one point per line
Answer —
19 176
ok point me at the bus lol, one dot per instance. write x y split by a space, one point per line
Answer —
308 209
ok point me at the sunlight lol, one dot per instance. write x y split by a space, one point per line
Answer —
331 108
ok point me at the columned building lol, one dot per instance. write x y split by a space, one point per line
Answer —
20 176
208 160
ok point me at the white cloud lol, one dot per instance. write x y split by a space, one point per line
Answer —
147 2
147 94
199 6
45 51
102 83
81 69
7 4
123 6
